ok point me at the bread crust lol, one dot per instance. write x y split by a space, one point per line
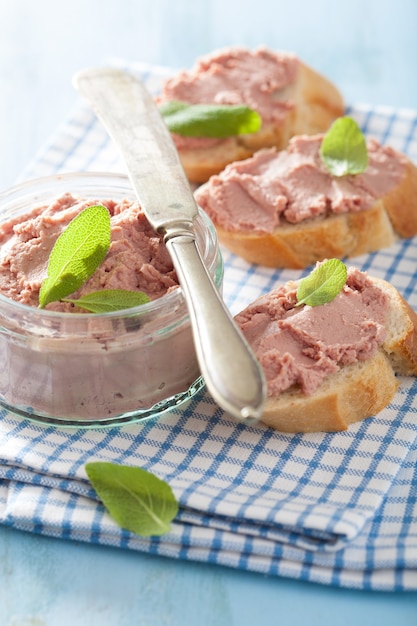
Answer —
356 391
317 103
401 203
345 235
401 341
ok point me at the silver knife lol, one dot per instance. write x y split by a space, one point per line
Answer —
127 110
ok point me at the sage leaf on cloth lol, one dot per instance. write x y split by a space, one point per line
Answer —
136 499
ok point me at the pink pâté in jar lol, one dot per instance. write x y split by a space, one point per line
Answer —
65 366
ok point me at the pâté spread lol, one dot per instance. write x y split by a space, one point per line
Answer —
273 188
137 259
302 345
259 79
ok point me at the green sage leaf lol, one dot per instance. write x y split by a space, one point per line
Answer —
108 300
136 499
343 149
323 284
77 253
210 120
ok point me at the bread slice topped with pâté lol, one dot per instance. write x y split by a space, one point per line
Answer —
331 347
287 96
326 195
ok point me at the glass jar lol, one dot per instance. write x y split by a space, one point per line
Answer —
86 369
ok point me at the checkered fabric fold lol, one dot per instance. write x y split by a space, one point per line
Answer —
339 509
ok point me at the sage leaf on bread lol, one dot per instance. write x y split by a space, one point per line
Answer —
324 283
136 499
77 253
343 149
108 300
215 121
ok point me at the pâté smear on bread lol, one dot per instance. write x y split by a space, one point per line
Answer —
285 209
333 364
290 97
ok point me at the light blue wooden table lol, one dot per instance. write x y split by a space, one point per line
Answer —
369 48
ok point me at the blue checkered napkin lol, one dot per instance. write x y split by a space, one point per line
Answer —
338 509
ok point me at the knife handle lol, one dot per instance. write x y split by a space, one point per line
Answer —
228 366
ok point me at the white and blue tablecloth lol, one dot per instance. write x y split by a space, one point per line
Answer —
338 509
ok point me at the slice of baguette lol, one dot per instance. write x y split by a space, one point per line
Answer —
317 103
345 235
356 391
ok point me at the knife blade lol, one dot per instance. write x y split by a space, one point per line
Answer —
127 110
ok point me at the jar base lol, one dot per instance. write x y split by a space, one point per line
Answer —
131 417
